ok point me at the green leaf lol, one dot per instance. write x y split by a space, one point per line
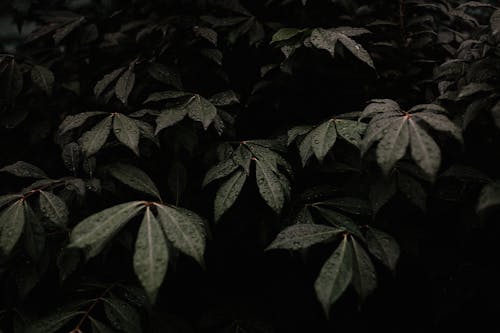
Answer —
285 34
106 81
93 233
8 198
165 95
24 169
93 140
374 132
383 247
228 193
183 229
169 117
327 39
165 74
220 170
356 49
151 255
349 130
242 156
301 236
52 323
440 123
224 98
77 120
377 106
350 205
297 131
200 109
323 139
364 278
393 145
126 131
424 150
340 221
124 85
489 197
335 276
122 315
134 177
304 216
12 221
43 78
53 208
305 148
270 187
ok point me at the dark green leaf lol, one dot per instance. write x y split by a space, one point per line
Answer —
43 78
364 278
300 236
183 229
228 193
12 220
126 131
135 178
335 276
383 247
93 140
23 169
151 255
77 120
93 233
124 85
269 185
122 315
53 207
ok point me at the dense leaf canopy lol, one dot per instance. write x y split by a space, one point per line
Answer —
249 166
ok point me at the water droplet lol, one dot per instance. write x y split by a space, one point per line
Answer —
117 130
316 141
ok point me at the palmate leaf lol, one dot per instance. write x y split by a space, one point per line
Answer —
300 236
12 220
338 220
94 232
151 255
134 177
320 140
228 192
335 275
184 229
395 131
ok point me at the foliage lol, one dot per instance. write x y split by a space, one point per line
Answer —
248 166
